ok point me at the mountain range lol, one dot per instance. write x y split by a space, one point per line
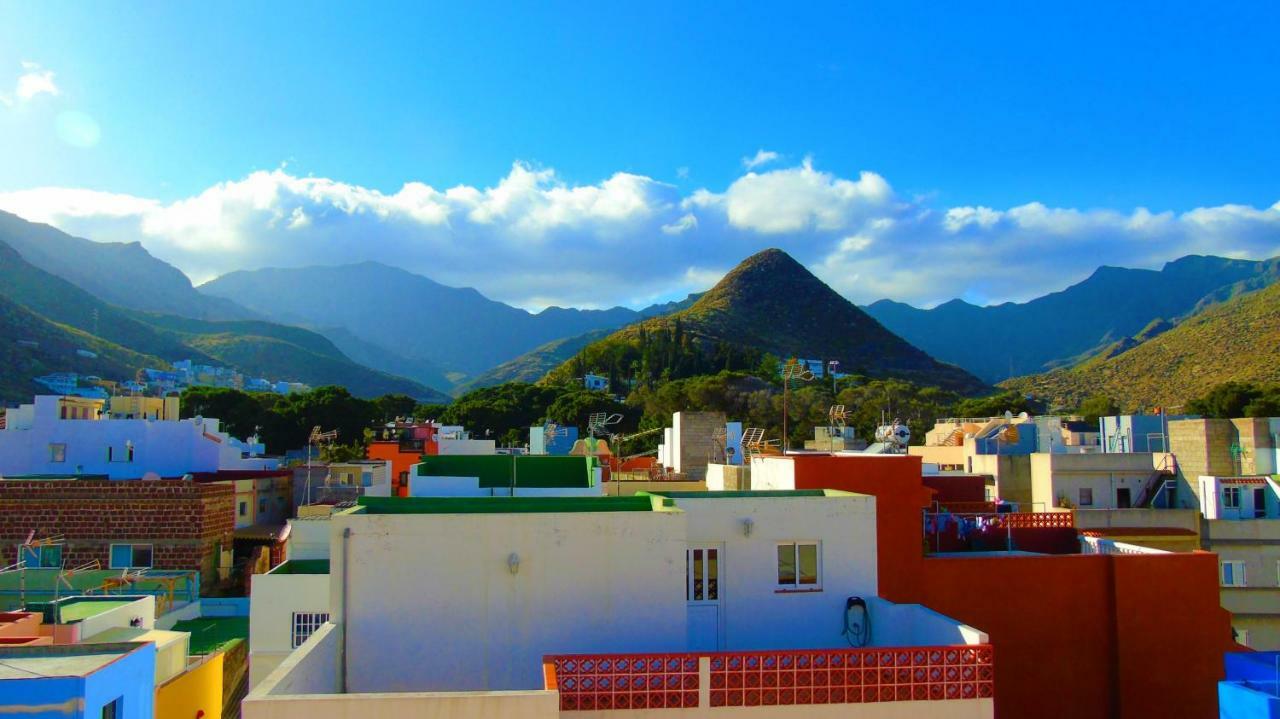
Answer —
1237 339
401 322
1059 329
767 304
49 316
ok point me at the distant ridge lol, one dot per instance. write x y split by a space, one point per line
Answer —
1065 327
1235 340
767 304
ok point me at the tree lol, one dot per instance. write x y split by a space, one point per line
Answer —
1226 401
241 414
390 406
1098 406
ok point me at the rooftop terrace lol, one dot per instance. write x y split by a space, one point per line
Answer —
212 634
499 471
66 660
507 505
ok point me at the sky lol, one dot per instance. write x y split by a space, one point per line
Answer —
599 154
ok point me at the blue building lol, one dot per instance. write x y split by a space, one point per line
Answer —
1250 689
89 681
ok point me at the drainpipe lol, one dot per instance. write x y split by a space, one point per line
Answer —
346 572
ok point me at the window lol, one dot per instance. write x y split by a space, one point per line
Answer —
1241 636
1233 574
244 508
58 452
798 565
131 556
702 568
262 506
1231 497
46 557
304 623
113 709
1086 496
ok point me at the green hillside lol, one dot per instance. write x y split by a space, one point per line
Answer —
1236 340
533 365
154 340
769 304
33 346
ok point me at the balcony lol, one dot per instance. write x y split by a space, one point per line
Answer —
793 678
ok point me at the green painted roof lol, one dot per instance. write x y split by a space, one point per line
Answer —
211 634
80 610
508 505
750 493
303 566
42 585
495 470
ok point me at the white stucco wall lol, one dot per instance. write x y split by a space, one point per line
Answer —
275 598
755 614
308 538
467 446
142 607
167 448
427 486
773 473
433 605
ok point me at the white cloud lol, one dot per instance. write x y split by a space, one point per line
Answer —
533 239
34 81
762 157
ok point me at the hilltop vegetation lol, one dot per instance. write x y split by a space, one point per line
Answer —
1235 341
769 304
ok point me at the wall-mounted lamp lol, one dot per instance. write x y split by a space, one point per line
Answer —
748 524
513 563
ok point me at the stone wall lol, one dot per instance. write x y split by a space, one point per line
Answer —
695 442
183 521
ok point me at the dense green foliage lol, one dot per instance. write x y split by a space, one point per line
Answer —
1237 399
284 422
1097 406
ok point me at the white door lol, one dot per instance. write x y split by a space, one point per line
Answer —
704 564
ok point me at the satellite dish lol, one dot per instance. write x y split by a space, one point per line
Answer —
1024 416
1008 415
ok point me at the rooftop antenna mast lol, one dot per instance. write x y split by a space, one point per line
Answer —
317 436
598 423
720 445
837 421
793 373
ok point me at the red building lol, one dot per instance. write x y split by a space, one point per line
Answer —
404 446
1124 636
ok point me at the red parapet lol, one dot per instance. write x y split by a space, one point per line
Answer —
774 678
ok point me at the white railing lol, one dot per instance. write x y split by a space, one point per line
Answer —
1099 545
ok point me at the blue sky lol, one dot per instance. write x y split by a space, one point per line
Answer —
1105 107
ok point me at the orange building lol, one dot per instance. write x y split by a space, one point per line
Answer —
1122 636
404 447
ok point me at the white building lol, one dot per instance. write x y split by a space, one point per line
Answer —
541 607
292 600
36 439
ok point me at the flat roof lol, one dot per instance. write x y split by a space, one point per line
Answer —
748 494
302 566
212 634
65 660
83 608
507 505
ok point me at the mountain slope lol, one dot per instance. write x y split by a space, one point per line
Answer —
408 318
1060 328
33 346
534 364
768 304
123 274
258 348
1236 340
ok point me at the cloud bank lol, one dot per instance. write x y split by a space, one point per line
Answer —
33 82
534 240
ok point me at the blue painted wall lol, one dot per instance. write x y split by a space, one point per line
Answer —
1251 688
561 444
130 678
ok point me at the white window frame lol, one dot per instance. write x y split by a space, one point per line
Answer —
57 449
131 545
304 624
707 575
1238 574
1227 494
796 586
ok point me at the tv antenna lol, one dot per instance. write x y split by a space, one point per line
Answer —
837 421
598 423
317 436
719 445
755 445
793 373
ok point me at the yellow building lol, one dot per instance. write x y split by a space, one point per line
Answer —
72 407
161 408
196 692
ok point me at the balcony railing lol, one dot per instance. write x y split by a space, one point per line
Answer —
771 678
1100 545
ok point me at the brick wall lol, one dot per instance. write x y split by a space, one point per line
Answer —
183 521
